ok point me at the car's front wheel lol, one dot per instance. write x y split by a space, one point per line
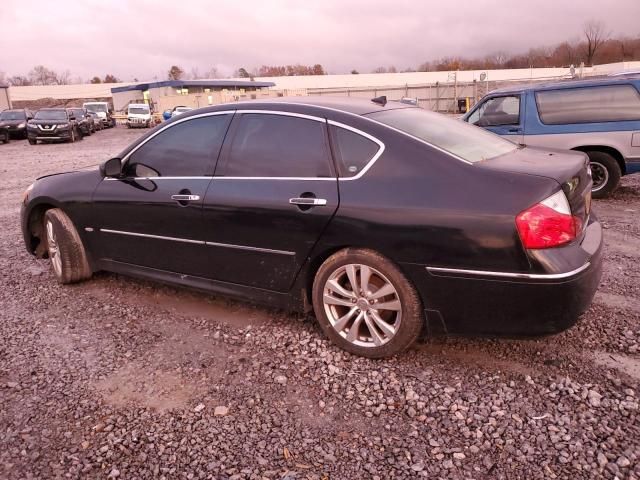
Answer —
366 305
64 246
32 141
605 173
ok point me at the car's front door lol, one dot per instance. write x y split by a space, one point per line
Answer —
501 115
274 192
152 216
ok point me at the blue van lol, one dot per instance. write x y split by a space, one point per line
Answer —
600 117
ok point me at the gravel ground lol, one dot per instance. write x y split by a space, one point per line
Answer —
118 378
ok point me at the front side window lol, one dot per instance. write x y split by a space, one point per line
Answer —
186 149
268 145
353 151
470 143
497 111
607 103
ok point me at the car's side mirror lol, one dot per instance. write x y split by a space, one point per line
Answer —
112 167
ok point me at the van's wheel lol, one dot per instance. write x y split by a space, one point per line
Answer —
605 173
366 305
66 252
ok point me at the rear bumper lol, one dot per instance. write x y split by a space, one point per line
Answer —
504 303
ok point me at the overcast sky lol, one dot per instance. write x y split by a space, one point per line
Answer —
144 38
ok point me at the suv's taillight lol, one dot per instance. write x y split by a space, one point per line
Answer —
548 223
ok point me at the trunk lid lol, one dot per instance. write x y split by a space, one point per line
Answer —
569 168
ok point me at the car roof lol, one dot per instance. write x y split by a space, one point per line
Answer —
53 108
354 106
568 83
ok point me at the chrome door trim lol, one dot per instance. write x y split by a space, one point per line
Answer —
147 235
250 249
284 114
197 242
530 276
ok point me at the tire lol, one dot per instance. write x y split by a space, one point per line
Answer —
402 323
33 141
68 257
605 167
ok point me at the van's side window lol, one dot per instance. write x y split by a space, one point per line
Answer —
608 103
497 111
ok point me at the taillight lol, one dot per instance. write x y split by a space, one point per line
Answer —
548 223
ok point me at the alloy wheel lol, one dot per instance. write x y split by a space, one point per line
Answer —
599 175
362 305
54 250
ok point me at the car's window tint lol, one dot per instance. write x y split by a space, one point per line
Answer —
268 145
497 111
186 149
470 143
352 151
607 103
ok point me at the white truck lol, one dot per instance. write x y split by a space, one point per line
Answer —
104 112
138 115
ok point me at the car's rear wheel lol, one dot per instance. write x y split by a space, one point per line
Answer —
366 305
605 173
66 252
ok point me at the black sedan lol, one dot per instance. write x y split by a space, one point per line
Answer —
382 218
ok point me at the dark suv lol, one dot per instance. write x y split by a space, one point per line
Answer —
53 124
15 121
84 120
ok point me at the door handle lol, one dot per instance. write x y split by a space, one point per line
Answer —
515 130
308 201
185 198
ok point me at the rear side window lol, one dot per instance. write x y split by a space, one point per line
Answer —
186 149
609 103
353 151
269 145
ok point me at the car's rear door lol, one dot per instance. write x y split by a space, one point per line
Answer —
274 192
152 216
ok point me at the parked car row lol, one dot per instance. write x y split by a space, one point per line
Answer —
62 124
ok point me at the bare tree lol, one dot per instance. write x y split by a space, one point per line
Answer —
41 75
63 78
195 73
595 35
19 81
211 73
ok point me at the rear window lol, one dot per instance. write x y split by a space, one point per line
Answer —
468 142
609 103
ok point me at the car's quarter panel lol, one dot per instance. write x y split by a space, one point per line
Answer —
419 205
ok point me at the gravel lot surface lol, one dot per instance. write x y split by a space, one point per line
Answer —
118 378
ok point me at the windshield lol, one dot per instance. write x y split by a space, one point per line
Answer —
470 143
96 107
15 115
138 110
51 115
